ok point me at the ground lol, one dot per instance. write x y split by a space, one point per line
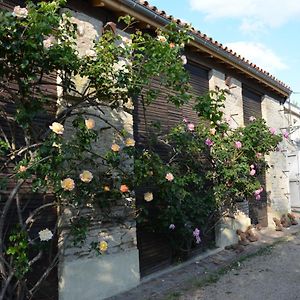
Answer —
266 269
271 274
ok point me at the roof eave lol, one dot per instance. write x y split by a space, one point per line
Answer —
145 14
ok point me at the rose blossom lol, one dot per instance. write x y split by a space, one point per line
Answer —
184 59
130 142
252 119
86 176
102 246
48 42
90 53
252 172
161 38
191 127
148 196
172 226
196 234
212 131
169 177
20 12
45 235
68 184
57 128
238 145
258 155
285 134
124 188
272 130
89 123
22 169
209 142
115 147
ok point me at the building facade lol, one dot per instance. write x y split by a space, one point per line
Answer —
252 91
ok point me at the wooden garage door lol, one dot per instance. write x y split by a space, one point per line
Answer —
252 107
154 250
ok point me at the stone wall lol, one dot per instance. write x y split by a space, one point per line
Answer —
82 273
234 101
277 181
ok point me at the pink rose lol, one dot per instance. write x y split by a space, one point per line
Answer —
169 177
272 130
258 155
285 134
238 145
191 127
252 172
209 142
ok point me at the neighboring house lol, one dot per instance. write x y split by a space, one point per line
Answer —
253 92
292 118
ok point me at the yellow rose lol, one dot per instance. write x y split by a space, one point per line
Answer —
102 246
86 176
148 196
130 142
90 123
57 128
22 169
68 184
106 188
212 131
115 147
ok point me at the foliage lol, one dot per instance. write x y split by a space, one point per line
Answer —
56 147
214 166
66 153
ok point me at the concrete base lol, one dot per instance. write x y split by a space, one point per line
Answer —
100 277
226 229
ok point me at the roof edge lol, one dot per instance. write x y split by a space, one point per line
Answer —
144 12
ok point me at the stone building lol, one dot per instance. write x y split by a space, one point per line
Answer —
133 255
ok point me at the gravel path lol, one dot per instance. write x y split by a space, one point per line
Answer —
271 276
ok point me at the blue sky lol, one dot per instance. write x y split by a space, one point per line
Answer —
265 32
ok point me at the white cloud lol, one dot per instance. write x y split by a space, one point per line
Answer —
254 14
260 55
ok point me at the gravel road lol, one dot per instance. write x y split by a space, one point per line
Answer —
274 275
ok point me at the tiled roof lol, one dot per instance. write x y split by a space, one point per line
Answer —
213 42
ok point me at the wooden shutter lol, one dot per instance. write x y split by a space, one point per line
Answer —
252 107
251 104
154 249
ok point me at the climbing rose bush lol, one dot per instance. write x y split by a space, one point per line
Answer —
61 156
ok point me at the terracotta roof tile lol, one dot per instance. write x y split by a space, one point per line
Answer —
211 40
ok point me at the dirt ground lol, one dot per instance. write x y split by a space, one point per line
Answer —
270 275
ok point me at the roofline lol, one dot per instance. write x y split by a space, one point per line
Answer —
144 13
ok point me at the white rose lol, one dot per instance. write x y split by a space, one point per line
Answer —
90 53
161 38
20 12
48 42
45 235
57 128
184 59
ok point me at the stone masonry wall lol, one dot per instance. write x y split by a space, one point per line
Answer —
277 182
234 101
226 228
82 273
